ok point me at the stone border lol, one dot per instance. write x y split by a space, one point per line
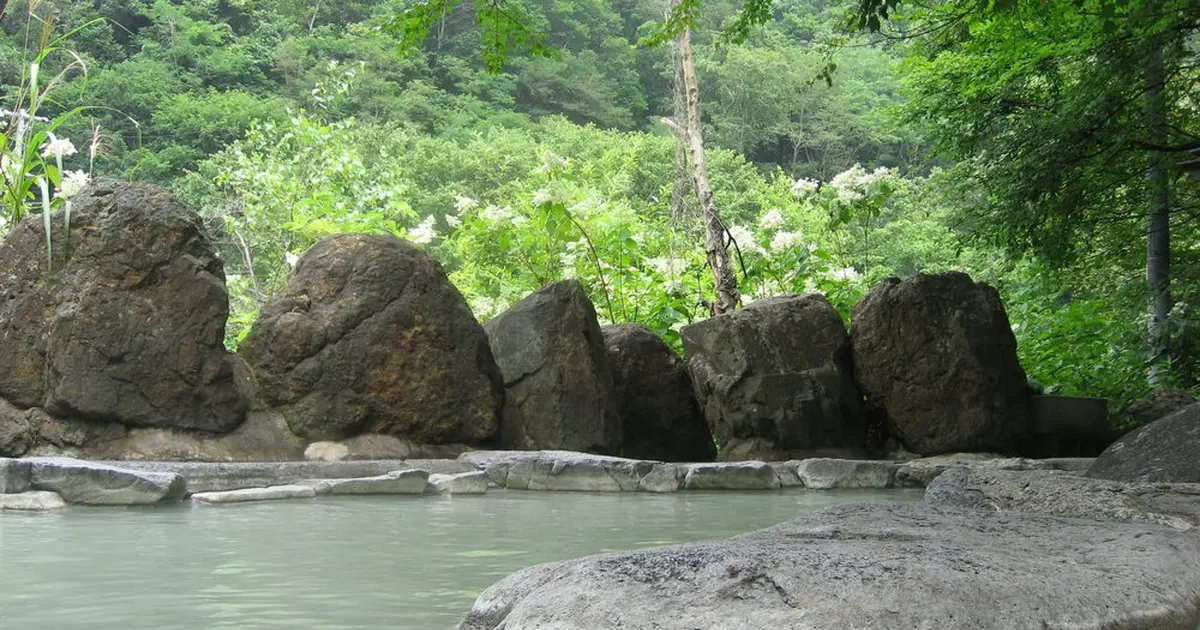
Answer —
109 483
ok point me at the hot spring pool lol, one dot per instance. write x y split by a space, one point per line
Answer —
409 563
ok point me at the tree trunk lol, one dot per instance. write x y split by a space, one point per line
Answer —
690 131
1158 232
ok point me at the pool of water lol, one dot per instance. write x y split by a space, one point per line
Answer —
410 563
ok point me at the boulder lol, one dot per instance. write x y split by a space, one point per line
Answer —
764 450
662 478
778 370
660 417
92 483
263 436
937 360
475 482
826 473
1056 493
919 473
16 435
1159 403
371 337
128 324
221 476
560 470
245 495
558 383
731 476
1166 450
325 452
395 482
35 500
885 566
375 446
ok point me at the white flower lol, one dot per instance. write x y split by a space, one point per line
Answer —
849 178
518 221
668 267
804 188
453 221
464 204
772 220
848 195
844 274
496 213
745 239
542 197
550 163
425 231
810 286
72 183
57 147
291 259
786 240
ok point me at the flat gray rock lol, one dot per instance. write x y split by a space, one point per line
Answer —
217 476
1057 493
662 478
14 475
560 470
1164 451
33 500
919 473
881 566
731 476
825 473
459 483
395 482
271 493
92 483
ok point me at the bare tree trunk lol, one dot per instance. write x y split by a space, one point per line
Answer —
1158 228
690 131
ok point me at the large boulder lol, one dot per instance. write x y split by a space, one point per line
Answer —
937 360
91 483
1166 450
778 370
883 566
660 417
371 337
558 383
128 324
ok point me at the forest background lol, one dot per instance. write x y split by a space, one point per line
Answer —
1030 145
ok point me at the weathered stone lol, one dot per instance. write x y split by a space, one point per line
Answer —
1158 404
395 482
731 476
460 483
1166 450
918 473
264 436
892 566
1055 493
660 417
371 337
129 326
14 475
788 473
936 358
376 446
220 476
326 452
559 470
662 478
763 450
825 473
558 383
93 483
33 501
16 435
270 493
780 370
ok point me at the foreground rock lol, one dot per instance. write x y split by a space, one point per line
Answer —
660 417
937 360
246 495
558 384
371 337
33 501
879 566
1166 450
778 370
91 483
1056 493
128 327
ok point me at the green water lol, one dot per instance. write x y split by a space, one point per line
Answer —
408 563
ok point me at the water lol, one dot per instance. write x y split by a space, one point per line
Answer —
409 563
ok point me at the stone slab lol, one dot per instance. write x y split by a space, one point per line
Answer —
475 482
34 500
825 474
245 495
731 476
93 483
